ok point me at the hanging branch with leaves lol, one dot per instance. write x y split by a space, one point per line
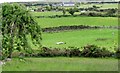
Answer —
17 24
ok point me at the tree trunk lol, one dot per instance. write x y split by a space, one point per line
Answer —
11 41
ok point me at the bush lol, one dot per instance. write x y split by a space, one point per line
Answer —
71 11
92 14
95 51
88 51
53 52
75 52
117 53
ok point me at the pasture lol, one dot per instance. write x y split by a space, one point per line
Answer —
78 38
66 21
62 64
102 37
50 13
102 6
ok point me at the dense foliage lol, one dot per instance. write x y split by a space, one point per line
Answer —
88 51
17 25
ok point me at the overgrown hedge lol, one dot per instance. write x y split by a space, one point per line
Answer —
75 27
88 51
62 28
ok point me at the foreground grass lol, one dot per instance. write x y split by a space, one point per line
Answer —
80 38
62 64
67 21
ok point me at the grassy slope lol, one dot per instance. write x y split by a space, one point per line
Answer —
66 21
62 64
81 38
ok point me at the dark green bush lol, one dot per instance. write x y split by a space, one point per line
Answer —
71 11
117 53
88 51
75 52
95 51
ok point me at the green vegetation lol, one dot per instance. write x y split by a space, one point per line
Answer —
102 6
78 38
66 21
105 38
50 13
17 23
62 64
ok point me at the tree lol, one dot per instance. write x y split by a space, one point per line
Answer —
0 15
17 25
71 11
63 11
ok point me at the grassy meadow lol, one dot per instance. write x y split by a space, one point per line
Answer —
66 21
51 13
78 38
62 64
102 6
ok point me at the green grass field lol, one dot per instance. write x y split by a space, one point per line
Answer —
102 6
50 13
80 38
66 21
62 64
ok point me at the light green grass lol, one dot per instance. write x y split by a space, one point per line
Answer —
62 64
50 13
80 38
66 21
102 6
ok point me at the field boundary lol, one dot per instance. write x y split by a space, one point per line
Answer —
76 27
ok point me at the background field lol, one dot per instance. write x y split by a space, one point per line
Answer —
66 21
62 64
80 38
51 13
102 6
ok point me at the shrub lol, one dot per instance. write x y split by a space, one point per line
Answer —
71 11
88 51
95 51
75 52
92 14
117 53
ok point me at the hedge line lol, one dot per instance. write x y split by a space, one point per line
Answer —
74 27
88 51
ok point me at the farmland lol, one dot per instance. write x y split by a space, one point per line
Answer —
66 21
102 37
79 39
102 6
71 20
